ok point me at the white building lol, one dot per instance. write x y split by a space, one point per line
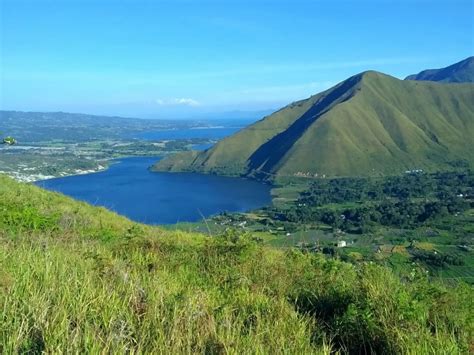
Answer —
341 244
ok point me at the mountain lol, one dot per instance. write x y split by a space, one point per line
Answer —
462 72
369 124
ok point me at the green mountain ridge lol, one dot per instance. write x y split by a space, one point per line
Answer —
461 72
369 124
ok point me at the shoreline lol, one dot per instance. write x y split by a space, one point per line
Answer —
31 178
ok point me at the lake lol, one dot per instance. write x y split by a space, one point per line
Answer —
215 133
130 189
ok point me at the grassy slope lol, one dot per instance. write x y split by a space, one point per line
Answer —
371 123
80 279
462 72
389 126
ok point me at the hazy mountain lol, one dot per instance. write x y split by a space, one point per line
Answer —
371 123
65 126
462 72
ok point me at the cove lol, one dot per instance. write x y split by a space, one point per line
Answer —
130 189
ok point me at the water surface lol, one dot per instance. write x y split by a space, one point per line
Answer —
130 189
215 133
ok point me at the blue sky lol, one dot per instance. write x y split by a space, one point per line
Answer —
182 58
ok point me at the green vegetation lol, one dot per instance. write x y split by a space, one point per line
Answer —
400 201
416 220
369 125
462 72
7 140
80 279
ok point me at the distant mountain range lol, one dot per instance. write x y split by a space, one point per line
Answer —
64 126
461 72
369 124
30 127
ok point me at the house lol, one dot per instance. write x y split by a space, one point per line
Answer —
341 244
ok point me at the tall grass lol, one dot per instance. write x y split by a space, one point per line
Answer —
88 281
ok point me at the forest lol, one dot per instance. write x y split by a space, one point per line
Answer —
355 205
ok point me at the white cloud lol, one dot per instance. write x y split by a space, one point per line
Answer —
187 102
183 101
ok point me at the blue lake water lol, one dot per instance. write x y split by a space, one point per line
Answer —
215 133
130 189
202 146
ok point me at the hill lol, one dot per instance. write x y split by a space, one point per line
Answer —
462 72
80 279
63 126
369 124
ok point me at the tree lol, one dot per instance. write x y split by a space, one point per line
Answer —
7 140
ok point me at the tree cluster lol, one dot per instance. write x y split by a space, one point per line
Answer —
402 201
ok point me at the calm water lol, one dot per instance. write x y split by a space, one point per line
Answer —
202 146
216 133
130 189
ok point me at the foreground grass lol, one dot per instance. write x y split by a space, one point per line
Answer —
74 278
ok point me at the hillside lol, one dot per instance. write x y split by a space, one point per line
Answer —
30 127
461 72
370 124
80 279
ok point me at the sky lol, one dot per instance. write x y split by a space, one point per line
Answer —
185 58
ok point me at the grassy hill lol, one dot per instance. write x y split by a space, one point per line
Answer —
370 124
81 279
461 72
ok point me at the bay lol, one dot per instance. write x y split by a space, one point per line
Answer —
130 189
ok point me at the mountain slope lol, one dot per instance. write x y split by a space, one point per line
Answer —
461 72
80 279
369 124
